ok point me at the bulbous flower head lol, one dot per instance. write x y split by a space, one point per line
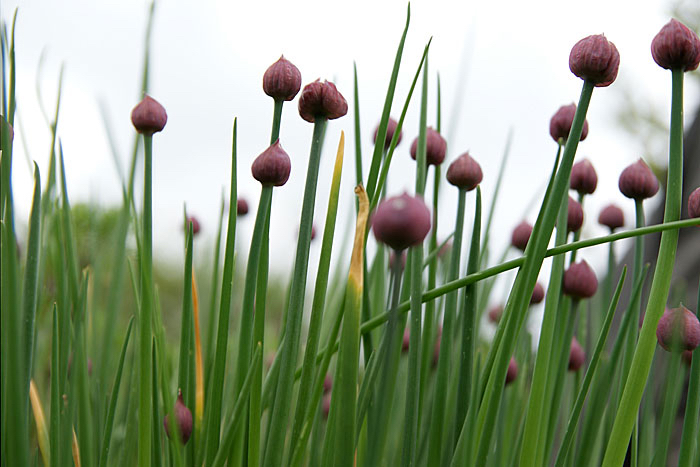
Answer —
580 281
676 47
183 418
595 59
561 121
272 167
321 99
149 116
612 217
537 294
401 222
577 357
282 80
464 172
406 341
521 235
495 313
195 224
678 330
241 207
512 372
694 203
435 147
583 177
574 216
638 182
391 126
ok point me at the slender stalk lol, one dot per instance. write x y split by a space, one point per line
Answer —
690 421
670 409
358 138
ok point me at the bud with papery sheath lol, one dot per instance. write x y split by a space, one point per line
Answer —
580 281
678 329
241 207
512 372
638 182
577 357
272 167
612 217
583 177
521 235
282 80
676 47
561 121
321 99
574 215
391 126
694 203
595 59
435 147
464 172
401 222
183 418
537 294
149 116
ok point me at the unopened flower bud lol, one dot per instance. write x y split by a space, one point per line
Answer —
435 147
595 59
678 329
282 80
694 203
149 116
583 177
391 126
241 207
405 343
537 294
638 182
326 405
327 384
183 418
574 216
521 235
321 99
464 172
495 313
195 224
580 281
512 372
676 47
401 222
272 167
577 357
612 217
561 121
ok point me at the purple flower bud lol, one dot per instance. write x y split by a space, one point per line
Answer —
595 59
149 116
638 182
574 217
521 235
537 294
560 124
577 357
326 405
580 281
327 384
406 340
401 222
321 100
272 167
694 203
676 47
282 80
512 372
583 177
436 348
390 130
183 418
612 217
435 147
195 224
241 207
464 172
495 313
678 329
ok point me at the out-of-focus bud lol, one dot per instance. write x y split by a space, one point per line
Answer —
273 166
537 294
241 207
612 217
580 281
678 329
282 80
512 372
577 357
574 216
195 224
464 172
401 222
391 126
495 313
435 147
638 182
561 121
595 59
694 203
406 340
521 235
583 177
321 100
183 418
676 47
149 116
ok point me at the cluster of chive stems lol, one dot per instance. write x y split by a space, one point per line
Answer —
414 381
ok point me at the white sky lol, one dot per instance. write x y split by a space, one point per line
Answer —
207 68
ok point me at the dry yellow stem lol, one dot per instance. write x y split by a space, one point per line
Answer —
199 367
76 450
42 433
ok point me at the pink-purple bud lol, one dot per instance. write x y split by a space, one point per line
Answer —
595 59
495 313
612 217
435 147
326 405
561 121
282 80
195 224
401 222
321 99
580 281
537 294
583 177
149 116
464 172
183 418
577 357
391 126
272 167
694 203
638 182
678 329
521 235
327 384
241 207
676 47
512 372
406 342
574 216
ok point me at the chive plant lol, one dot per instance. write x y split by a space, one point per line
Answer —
355 392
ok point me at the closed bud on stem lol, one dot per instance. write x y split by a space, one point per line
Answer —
561 121
678 330
401 222
321 99
583 177
195 224
577 357
282 80
512 372
676 47
391 126
521 235
595 59
638 182
495 313
612 217
464 172
149 116
574 216
580 281
537 294
435 147
272 167
241 207
694 203
183 418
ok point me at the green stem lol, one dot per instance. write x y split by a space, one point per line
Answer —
690 421
669 411
276 121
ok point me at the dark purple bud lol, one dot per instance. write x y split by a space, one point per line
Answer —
401 222
537 294
574 217
512 372
282 80
390 130
406 340
464 172
435 147
272 167
678 329
612 217
638 182
560 124
577 357
495 313
580 281
321 100
583 177
521 235
195 224
326 405
436 349
149 116
183 418
595 59
687 357
327 384
241 207
694 203
676 47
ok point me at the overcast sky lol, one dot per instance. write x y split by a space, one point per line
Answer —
502 65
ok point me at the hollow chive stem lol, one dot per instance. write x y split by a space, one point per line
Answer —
690 421
644 352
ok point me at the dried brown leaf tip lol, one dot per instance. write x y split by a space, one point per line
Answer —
676 47
595 59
